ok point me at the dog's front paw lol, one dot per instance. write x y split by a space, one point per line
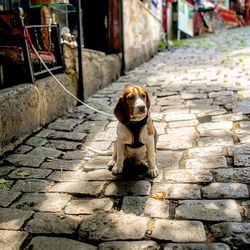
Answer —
153 172
116 169
111 164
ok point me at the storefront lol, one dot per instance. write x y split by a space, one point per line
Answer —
41 24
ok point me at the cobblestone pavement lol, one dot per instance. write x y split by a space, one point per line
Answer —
57 195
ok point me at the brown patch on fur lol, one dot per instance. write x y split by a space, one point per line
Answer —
150 127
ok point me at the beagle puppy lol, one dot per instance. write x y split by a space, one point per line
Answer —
136 134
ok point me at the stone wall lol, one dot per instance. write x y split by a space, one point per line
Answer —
99 69
142 33
26 108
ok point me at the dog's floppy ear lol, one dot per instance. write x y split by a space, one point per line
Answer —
121 111
147 100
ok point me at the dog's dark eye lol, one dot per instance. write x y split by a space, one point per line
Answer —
143 95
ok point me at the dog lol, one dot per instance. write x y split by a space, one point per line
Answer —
136 134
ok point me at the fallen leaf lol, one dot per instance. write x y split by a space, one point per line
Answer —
158 196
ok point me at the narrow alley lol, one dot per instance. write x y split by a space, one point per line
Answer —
56 194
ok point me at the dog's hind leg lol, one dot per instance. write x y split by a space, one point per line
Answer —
112 162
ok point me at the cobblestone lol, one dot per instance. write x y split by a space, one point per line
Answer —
10 240
46 223
57 194
211 210
170 230
55 243
13 219
113 227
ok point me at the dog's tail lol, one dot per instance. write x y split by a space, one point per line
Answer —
101 153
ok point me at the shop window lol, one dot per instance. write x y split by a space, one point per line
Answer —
43 23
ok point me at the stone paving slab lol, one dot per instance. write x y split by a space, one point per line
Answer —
191 231
55 243
135 245
13 219
128 188
44 202
232 232
47 223
12 240
113 227
196 246
211 210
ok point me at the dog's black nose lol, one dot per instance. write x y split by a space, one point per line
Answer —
142 108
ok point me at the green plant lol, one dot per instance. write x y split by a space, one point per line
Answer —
162 46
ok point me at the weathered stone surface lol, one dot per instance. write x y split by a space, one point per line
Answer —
220 93
174 142
128 188
59 164
168 159
12 240
80 187
190 96
25 160
214 133
88 206
157 208
93 126
215 125
13 219
55 243
128 245
179 117
241 175
32 186
246 207
45 152
211 210
206 162
134 204
4 170
188 176
113 227
97 163
67 176
7 197
36 141
205 151
63 145
100 175
45 133
77 155
100 145
239 149
22 149
196 246
242 107
179 124
29 173
72 136
53 223
242 160
225 190
245 138
177 191
218 141
46 202
232 233
179 231
64 124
